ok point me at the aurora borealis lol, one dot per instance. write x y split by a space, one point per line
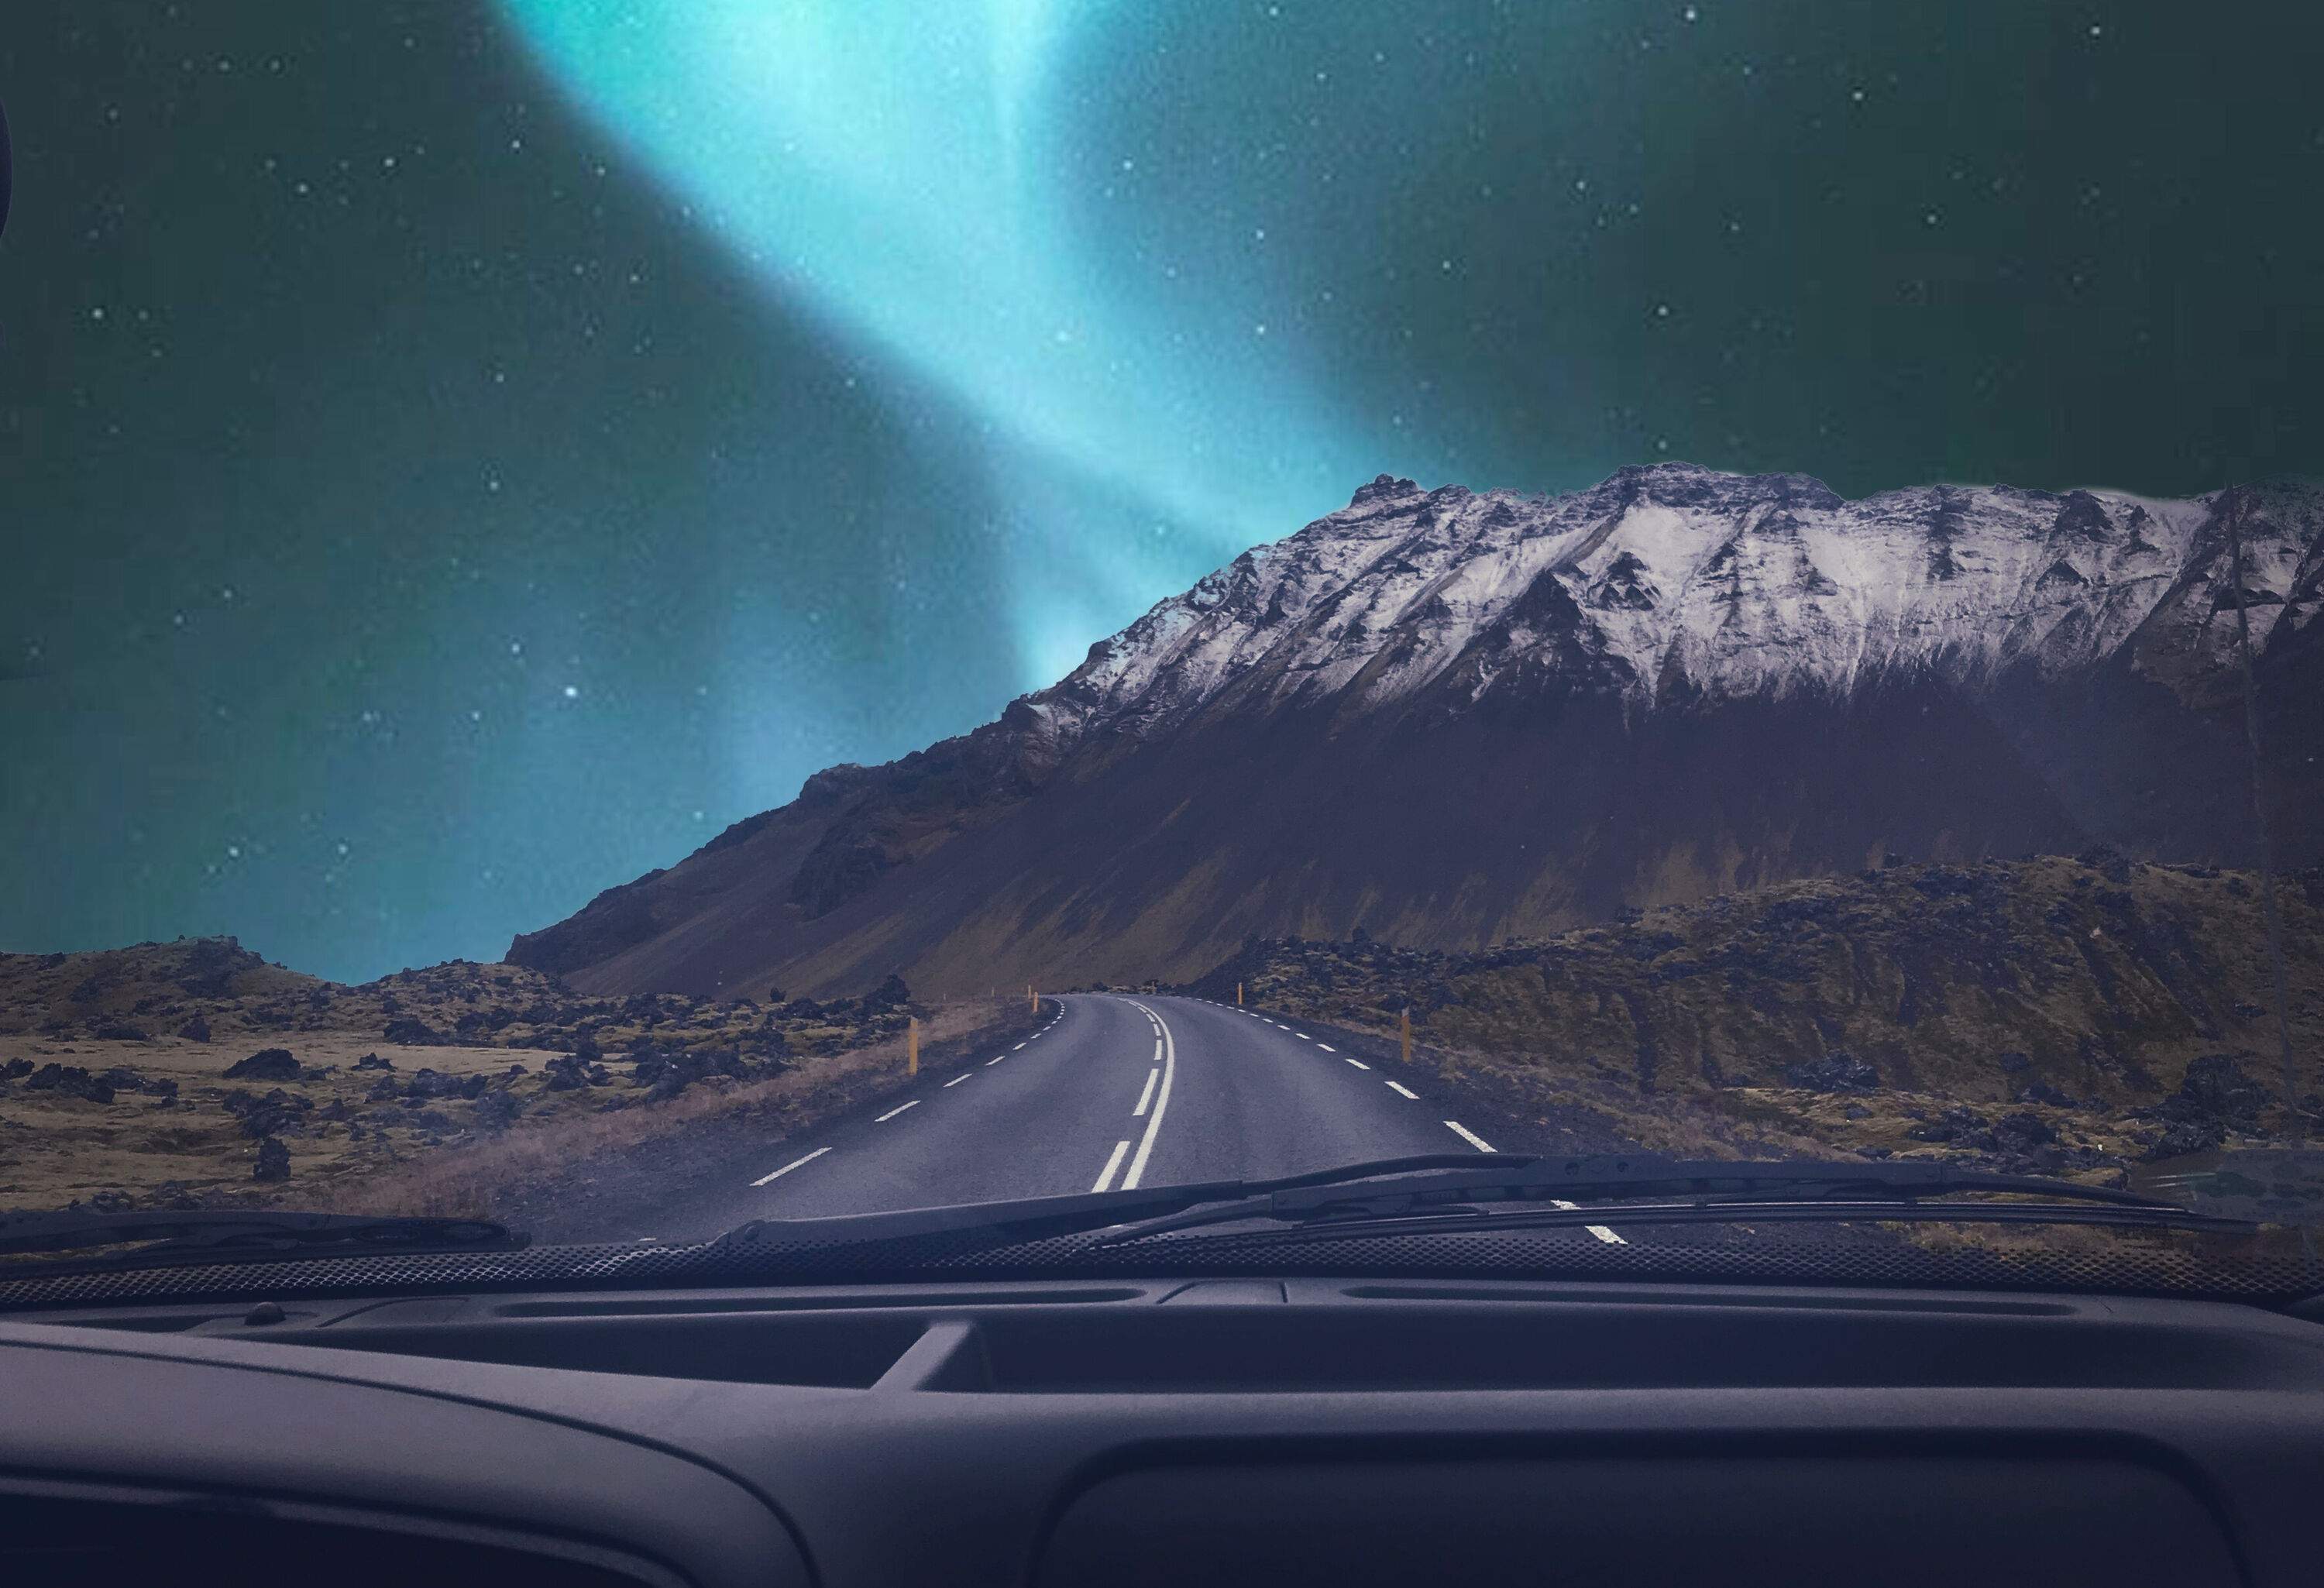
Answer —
457 457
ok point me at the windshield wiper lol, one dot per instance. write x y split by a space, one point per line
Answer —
161 1237
1713 1191
1455 1186
1030 1218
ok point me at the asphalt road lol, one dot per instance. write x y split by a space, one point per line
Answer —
1112 1092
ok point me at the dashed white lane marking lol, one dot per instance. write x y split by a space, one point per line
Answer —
996 1059
787 1167
1019 1045
892 1112
1158 1050
956 1080
1327 1048
1400 1092
1303 1035
1146 1096
1481 1145
1600 1231
1161 1105
1112 1163
1359 1063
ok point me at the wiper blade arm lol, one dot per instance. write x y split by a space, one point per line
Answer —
1467 1219
166 1236
1610 1178
1426 1183
1029 1217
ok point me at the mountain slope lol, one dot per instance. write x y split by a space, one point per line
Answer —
1452 718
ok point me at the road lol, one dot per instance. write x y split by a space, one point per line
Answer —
1111 1092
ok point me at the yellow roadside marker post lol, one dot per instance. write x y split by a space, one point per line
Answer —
1238 994
1032 998
1404 1032
912 1046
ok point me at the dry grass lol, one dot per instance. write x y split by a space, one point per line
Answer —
177 1015
480 1178
1694 1125
1697 1121
2103 981
2069 996
56 1149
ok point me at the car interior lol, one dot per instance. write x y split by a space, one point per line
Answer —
1245 1430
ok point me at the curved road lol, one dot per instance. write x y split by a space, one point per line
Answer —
1113 1090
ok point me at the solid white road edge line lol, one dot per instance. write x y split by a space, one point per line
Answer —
1400 1092
787 1167
1146 1096
1600 1231
1161 1105
1468 1135
1112 1163
892 1112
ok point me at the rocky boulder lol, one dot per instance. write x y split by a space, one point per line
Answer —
1958 1125
264 1116
1834 1071
409 1032
2043 1093
268 1064
566 1073
70 1080
426 1085
496 1111
2215 1088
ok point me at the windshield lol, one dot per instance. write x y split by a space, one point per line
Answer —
628 618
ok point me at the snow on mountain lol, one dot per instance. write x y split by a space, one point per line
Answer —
1680 581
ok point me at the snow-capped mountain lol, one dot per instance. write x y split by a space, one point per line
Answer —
1676 581
1452 716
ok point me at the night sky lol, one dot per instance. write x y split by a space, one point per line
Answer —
454 458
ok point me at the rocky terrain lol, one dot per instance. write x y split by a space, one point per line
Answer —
1454 718
180 1073
2050 1015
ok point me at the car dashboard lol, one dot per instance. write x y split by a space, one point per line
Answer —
1298 1430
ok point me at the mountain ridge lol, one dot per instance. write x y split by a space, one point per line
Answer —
1669 623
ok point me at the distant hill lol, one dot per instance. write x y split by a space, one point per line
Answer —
1455 718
